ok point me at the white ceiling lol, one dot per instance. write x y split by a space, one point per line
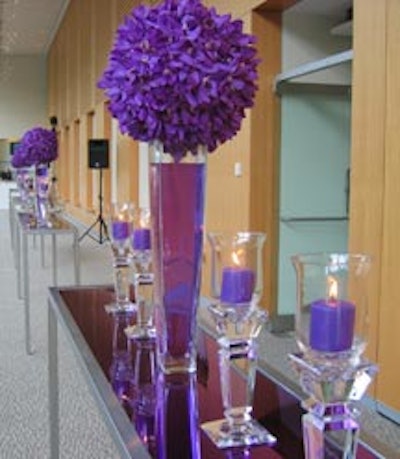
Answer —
28 26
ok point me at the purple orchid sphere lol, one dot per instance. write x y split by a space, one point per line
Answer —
20 158
181 74
40 145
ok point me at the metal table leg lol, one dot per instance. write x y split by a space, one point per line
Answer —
18 262
53 383
76 258
25 262
54 252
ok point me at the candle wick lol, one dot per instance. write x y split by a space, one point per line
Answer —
332 300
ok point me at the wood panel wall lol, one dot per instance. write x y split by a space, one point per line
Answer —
77 58
76 61
375 190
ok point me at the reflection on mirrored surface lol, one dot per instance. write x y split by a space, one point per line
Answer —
177 417
276 405
121 369
144 390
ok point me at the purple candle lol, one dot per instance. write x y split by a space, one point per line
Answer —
332 325
141 239
237 285
120 230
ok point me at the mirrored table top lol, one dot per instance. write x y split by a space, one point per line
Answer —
180 404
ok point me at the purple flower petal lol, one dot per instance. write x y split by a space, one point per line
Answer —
181 74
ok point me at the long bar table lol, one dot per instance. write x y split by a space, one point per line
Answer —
26 226
166 426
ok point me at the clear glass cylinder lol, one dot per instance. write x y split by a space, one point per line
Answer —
177 191
332 307
236 266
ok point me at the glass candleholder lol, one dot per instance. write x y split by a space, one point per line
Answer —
121 230
236 284
143 276
332 334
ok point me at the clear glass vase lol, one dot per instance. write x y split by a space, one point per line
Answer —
236 284
177 189
42 191
25 185
332 334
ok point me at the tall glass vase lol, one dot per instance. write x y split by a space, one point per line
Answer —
177 191
42 191
24 182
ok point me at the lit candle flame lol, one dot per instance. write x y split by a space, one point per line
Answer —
332 289
238 257
142 222
235 259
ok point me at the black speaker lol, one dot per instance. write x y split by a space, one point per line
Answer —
98 153
53 121
13 147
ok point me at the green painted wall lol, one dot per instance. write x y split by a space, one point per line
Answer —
315 148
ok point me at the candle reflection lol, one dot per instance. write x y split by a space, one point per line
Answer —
144 391
121 370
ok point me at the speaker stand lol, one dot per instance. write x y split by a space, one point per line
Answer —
103 230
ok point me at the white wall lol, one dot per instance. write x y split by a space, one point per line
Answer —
23 96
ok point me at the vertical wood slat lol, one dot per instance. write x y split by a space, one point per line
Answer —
389 310
66 176
74 164
127 169
265 142
368 147
103 33
89 173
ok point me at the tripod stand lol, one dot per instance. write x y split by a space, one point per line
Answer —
99 220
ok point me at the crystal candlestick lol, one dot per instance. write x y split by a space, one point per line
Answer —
121 230
236 266
143 277
332 334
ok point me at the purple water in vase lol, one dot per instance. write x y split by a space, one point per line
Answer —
41 188
177 209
